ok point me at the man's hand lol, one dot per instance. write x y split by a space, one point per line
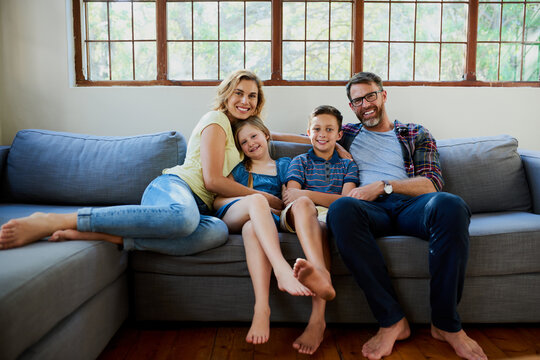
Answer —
344 154
367 192
290 194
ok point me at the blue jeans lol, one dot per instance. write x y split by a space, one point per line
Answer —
440 218
170 220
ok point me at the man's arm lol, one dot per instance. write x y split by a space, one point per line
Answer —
413 187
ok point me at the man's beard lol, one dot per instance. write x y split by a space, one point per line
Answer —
373 121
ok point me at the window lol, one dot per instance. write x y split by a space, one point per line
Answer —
309 42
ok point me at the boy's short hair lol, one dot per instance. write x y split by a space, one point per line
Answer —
328 110
363 78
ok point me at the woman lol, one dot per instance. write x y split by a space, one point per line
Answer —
173 217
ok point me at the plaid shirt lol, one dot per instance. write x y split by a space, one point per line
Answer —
419 148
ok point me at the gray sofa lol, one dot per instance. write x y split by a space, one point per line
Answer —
68 299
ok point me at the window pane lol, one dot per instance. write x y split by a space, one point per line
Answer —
317 20
376 21
258 20
427 62
205 19
144 21
293 21
231 57
293 60
179 55
99 61
341 28
231 21
487 56
453 62
317 60
532 23
97 21
145 60
428 22
402 22
512 22
376 59
121 61
257 58
510 62
454 23
531 63
401 61
179 21
340 60
205 60
120 21
489 16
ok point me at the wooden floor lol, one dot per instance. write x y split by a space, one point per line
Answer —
226 341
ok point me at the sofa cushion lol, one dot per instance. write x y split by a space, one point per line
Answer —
42 283
66 168
487 172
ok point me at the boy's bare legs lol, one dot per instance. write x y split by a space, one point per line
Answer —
255 208
63 235
260 270
303 215
26 230
463 345
312 272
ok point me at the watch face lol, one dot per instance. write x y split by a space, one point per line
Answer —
388 189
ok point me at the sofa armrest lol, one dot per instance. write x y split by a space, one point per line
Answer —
531 163
4 150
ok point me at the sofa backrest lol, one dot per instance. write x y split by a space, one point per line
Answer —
65 168
487 172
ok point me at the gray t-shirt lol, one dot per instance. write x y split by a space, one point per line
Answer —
378 156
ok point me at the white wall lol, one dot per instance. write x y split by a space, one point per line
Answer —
36 92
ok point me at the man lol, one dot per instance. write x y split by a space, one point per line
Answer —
399 193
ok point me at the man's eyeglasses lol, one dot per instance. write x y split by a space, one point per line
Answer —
371 97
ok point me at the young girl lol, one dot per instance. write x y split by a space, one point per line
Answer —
173 217
257 220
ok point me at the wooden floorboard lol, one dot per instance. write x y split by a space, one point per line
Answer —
210 341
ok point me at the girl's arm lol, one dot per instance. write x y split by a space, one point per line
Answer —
213 141
294 191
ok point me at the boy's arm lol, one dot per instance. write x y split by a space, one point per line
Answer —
294 191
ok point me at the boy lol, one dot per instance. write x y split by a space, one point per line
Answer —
314 181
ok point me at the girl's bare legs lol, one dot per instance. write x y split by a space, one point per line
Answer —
70 234
260 270
255 208
313 273
26 230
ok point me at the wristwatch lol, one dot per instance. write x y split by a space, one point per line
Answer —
388 189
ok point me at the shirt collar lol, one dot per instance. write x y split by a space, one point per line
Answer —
333 159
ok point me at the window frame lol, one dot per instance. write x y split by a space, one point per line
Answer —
469 80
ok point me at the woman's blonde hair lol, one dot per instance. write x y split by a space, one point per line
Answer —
229 84
259 124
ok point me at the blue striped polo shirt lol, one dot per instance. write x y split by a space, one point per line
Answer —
317 174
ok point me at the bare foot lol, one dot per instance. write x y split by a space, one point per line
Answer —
26 230
63 235
383 342
259 332
287 282
463 345
317 280
311 338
